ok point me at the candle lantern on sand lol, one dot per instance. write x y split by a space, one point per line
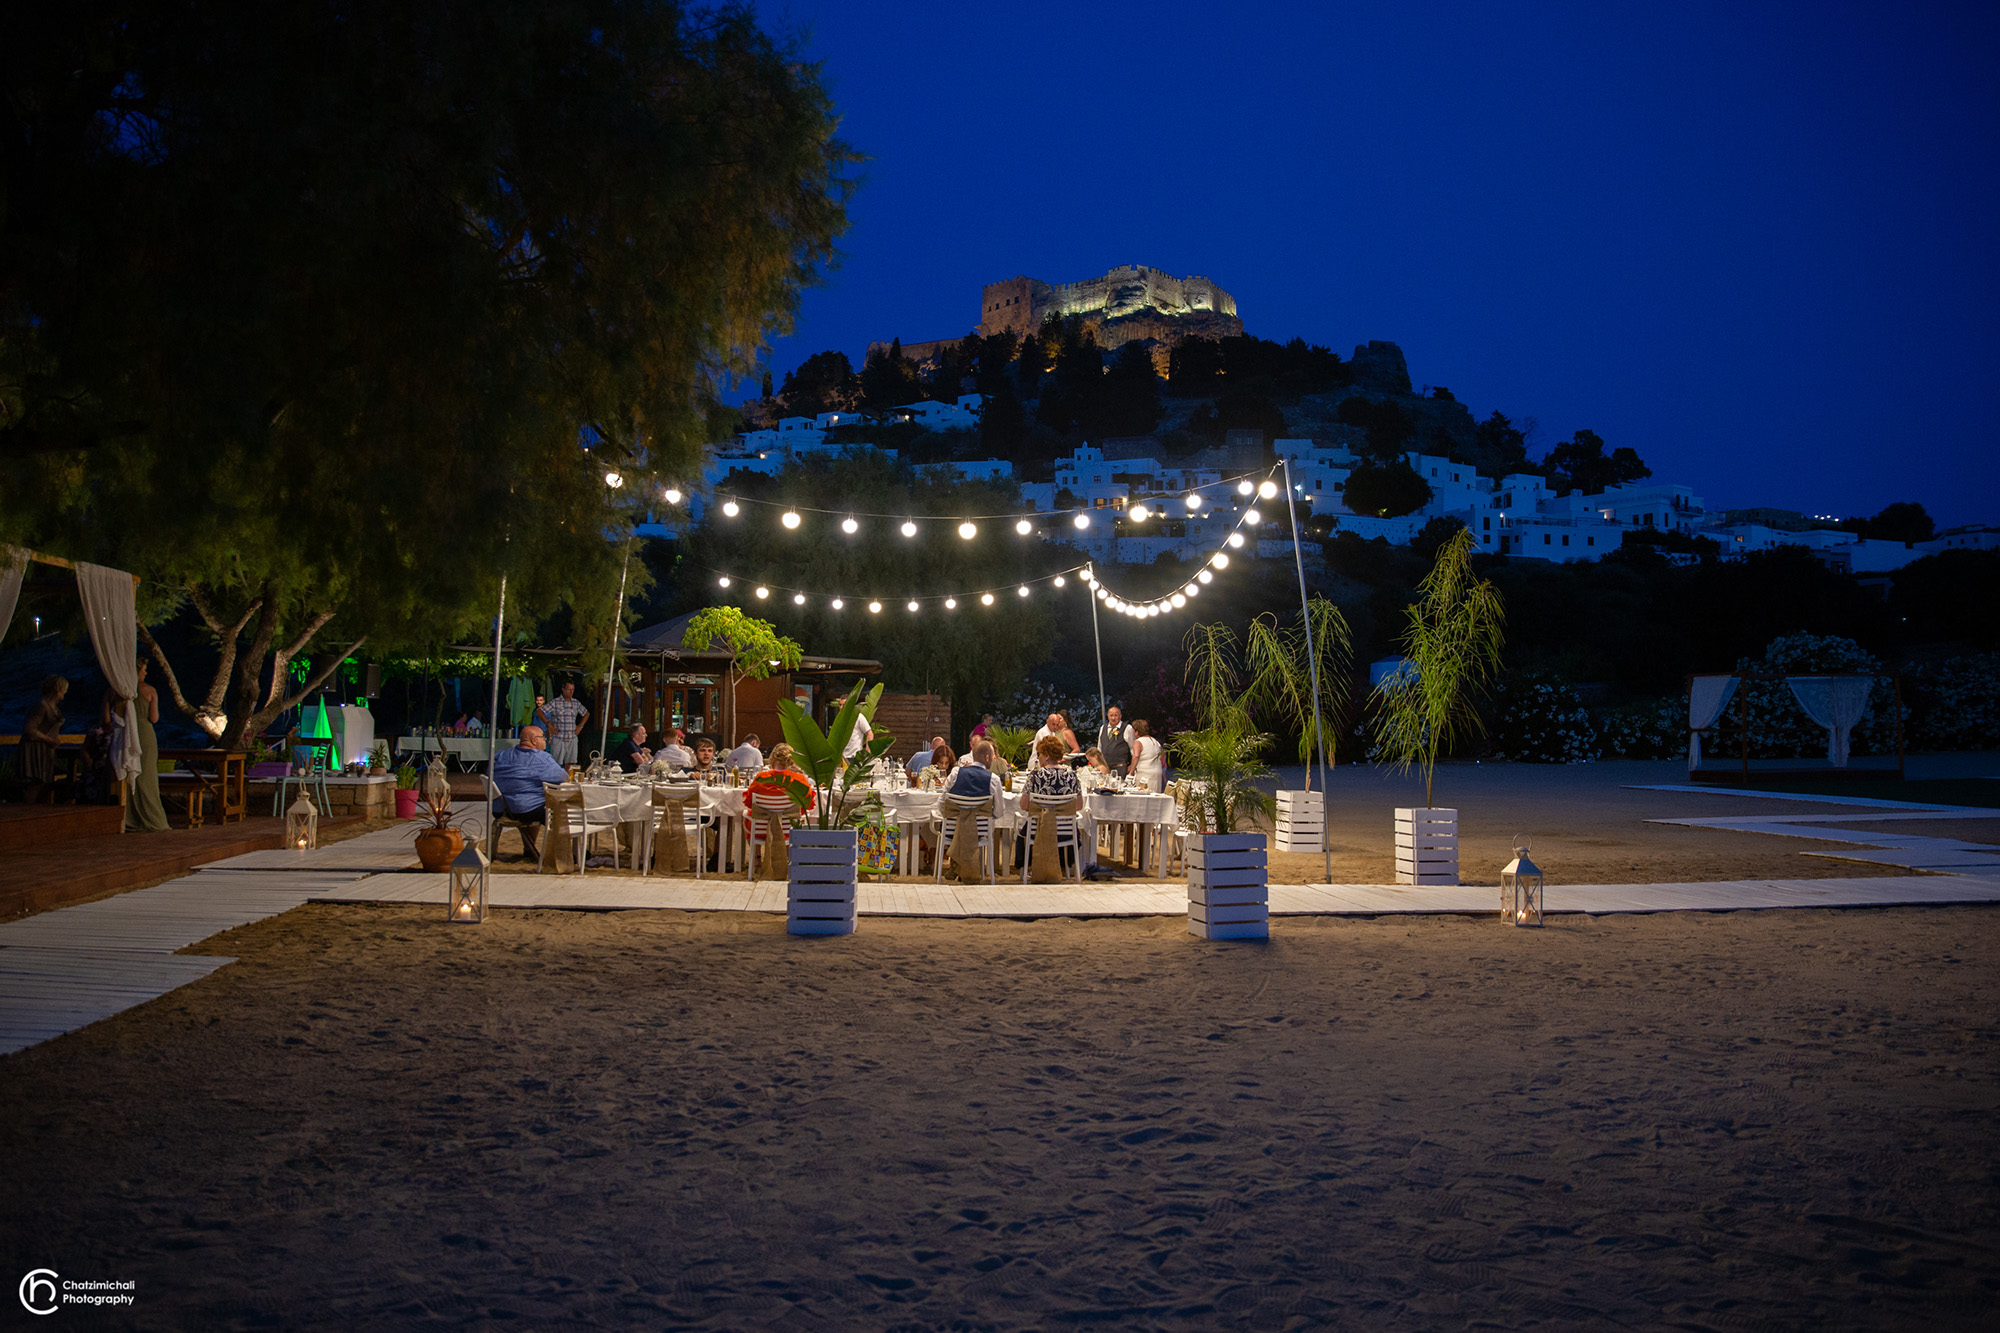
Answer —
1521 887
467 901
302 825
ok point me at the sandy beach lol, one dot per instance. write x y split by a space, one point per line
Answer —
1729 1121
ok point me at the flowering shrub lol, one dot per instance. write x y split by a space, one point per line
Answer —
1955 704
1542 720
1653 729
1779 728
1031 707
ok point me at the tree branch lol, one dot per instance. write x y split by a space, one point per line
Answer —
281 659
317 679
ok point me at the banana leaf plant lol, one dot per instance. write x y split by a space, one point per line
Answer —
820 755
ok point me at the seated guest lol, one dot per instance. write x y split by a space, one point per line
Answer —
673 752
975 777
1051 779
938 771
747 755
1101 773
519 774
781 764
922 758
631 754
704 765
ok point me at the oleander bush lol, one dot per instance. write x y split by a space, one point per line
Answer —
1648 729
1955 704
1779 728
1031 707
1541 719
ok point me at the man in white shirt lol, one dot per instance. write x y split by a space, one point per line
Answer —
747 755
863 733
1053 727
1114 741
922 758
676 754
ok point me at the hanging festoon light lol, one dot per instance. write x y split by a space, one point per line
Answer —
838 604
1268 489
1060 581
1082 521
1521 887
722 581
968 530
302 825
730 509
1245 487
1252 517
1236 539
875 608
986 599
1023 590
1024 527
1204 577
790 518
1193 501
1179 600
762 592
467 900
613 480
672 495
798 599
849 526
1220 560
951 603
909 528
1140 513
913 605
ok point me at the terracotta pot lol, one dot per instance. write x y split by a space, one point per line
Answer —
437 846
406 802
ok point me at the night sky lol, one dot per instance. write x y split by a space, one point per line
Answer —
1756 243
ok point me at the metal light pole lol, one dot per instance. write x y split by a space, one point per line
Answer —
493 725
1312 662
1102 709
611 667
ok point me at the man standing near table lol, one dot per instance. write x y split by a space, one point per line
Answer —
1114 741
566 717
518 774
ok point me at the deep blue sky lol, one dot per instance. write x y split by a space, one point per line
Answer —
1755 242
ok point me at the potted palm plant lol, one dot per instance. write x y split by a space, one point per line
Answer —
1218 764
820 881
1300 675
1451 650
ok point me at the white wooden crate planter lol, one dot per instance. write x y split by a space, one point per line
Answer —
1426 846
1229 886
819 896
1301 820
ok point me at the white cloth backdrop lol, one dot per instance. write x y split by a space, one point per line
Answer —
1836 703
1707 697
11 573
110 610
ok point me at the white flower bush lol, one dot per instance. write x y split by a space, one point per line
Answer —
1031 707
1955 704
1650 729
1779 728
1542 720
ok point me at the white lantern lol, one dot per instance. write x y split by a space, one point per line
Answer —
302 825
467 903
1521 887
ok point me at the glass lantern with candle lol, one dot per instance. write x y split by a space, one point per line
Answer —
1521 887
467 901
302 825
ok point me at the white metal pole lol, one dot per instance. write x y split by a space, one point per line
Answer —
611 667
1312 662
493 725
1102 709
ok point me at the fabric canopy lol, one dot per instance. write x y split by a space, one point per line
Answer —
1836 703
1707 697
11 573
109 608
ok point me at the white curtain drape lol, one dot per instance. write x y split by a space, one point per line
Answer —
1836 703
13 567
111 612
1707 697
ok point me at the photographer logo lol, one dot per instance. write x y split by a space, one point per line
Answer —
38 1291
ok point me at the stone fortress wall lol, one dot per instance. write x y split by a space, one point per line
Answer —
1020 304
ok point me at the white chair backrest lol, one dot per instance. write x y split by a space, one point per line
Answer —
980 803
774 805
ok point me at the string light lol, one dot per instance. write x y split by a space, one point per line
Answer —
1268 489
1024 527
798 599
1082 521
722 582
762 592
1140 513
838 604
1252 517
790 518
1236 539
986 599
1191 589
613 480
849 526
1022 590
1220 560
968 530
875 608
1193 501
731 509
909 528
1205 577
951 603
1060 581
1245 487
913 606
672 495
1178 600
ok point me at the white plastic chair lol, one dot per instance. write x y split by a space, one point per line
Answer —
583 820
945 821
763 808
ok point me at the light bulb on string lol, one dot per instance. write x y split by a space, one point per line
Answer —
1191 589
722 582
790 518
1268 489
762 592
968 530
1236 539
730 509
838 604
1193 501
875 608
613 480
1024 527
1140 513
1022 590
1245 487
672 495
1082 521
1205 577
849 526
913 606
1059 581
909 528
1178 600
951 603
1219 560
986 599
1252 517
798 599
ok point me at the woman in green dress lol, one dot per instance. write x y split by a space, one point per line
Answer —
143 811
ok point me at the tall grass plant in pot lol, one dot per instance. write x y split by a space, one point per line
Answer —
820 874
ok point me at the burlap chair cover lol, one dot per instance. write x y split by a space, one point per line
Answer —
775 821
965 861
670 842
1044 866
560 831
